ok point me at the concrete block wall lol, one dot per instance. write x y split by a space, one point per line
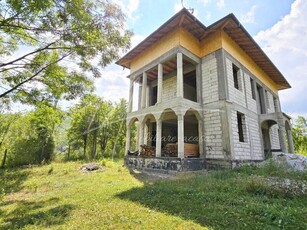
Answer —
255 139
270 102
251 103
274 137
209 80
213 135
235 95
250 149
169 88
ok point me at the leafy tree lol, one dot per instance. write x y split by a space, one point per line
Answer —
30 139
89 34
299 133
97 128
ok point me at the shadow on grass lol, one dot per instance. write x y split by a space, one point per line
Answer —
33 213
12 180
220 200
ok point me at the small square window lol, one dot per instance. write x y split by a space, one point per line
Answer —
235 73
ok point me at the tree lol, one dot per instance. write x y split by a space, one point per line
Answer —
88 33
299 133
30 139
97 127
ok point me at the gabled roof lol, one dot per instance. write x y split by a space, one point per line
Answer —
230 24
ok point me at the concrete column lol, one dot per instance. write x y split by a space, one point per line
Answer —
128 137
179 75
141 136
198 83
140 97
180 118
130 103
144 89
158 138
200 139
290 141
137 136
146 129
282 139
160 82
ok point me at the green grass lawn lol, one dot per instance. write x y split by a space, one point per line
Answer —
59 196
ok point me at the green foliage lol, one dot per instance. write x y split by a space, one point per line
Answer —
299 133
88 34
97 128
29 139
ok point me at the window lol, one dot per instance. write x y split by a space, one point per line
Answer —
241 126
235 73
253 88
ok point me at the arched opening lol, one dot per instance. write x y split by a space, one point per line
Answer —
150 130
191 134
270 137
169 134
132 137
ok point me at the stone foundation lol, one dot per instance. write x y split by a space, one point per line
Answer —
165 164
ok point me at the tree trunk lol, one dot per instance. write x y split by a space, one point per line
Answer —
4 159
84 146
68 154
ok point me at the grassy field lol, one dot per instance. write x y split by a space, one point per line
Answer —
59 196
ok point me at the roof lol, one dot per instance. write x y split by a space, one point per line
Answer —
230 24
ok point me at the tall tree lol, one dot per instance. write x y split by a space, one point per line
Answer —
37 36
97 127
299 133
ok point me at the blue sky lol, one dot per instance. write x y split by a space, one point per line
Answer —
279 27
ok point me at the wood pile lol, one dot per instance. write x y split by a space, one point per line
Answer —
191 150
170 150
147 151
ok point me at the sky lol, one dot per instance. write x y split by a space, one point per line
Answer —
278 26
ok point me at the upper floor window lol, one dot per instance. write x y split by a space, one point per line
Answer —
236 77
253 88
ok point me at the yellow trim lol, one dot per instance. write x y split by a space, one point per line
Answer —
214 41
167 43
211 43
231 47
189 42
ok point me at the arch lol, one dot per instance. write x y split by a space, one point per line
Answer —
192 133
132 120
268 123
287 125
193 111
132 140
270 137
149 126
168 114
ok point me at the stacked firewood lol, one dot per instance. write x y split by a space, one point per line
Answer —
147 151
170 150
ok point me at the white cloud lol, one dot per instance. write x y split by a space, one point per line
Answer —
220 4
286 45
205 2
208 15
129 7
249 17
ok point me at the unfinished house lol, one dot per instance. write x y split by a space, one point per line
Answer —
203 97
